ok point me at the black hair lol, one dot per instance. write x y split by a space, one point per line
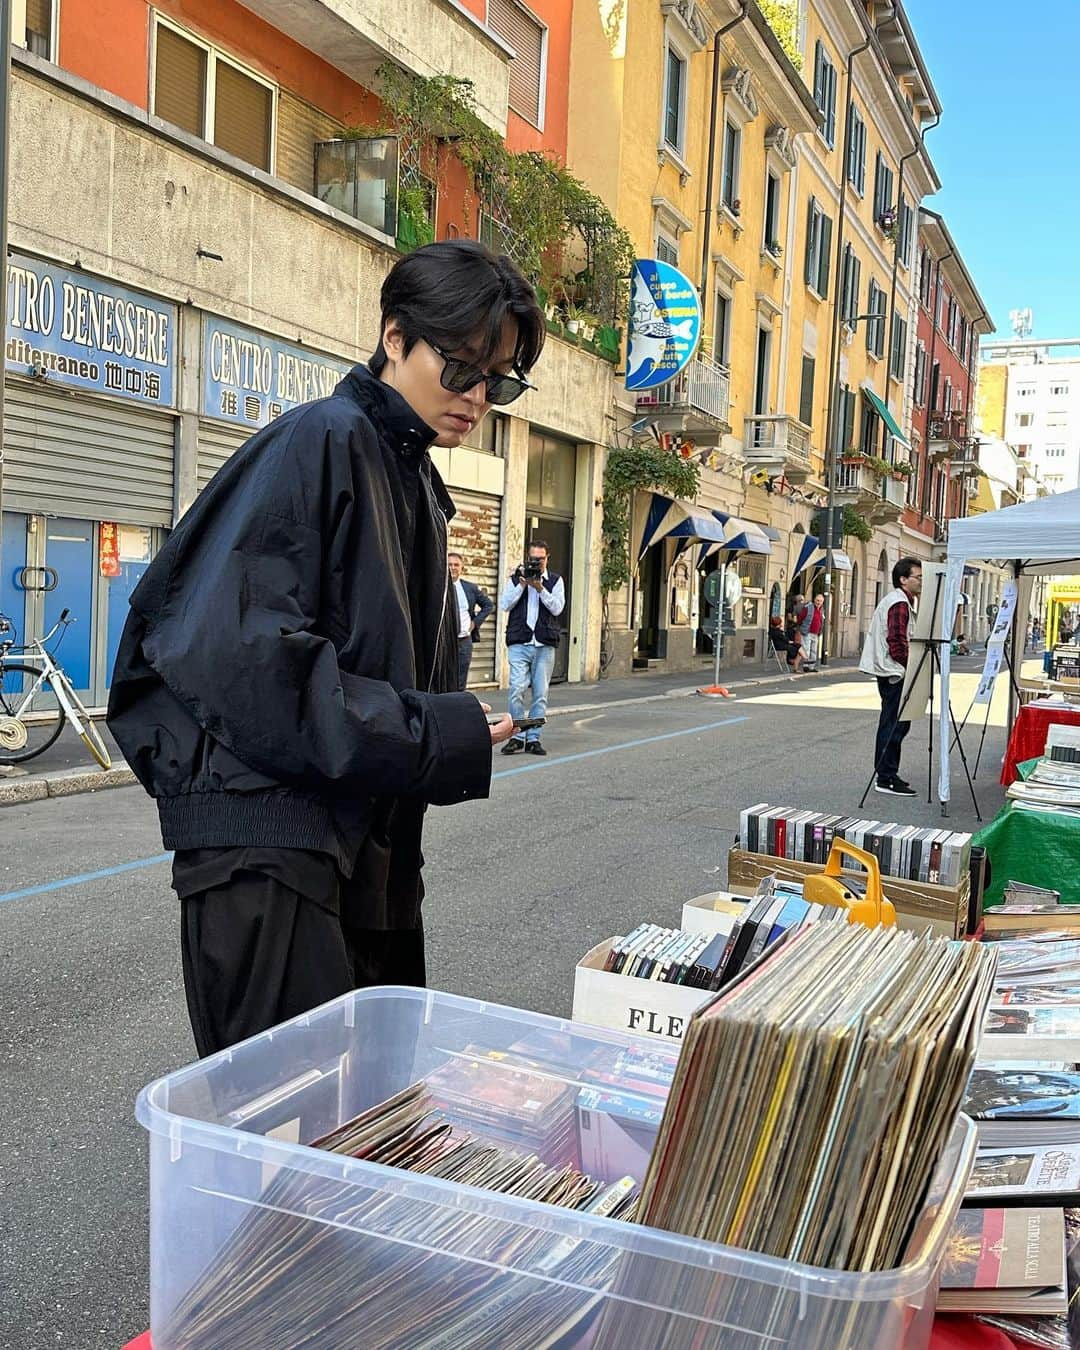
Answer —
456 292
904 569
452 554
539 543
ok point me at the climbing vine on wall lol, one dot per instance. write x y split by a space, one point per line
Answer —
639 468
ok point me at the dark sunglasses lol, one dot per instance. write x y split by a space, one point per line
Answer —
460 376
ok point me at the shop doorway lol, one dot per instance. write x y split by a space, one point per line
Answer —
648 602
53 563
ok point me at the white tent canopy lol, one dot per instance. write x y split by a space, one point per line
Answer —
1040 537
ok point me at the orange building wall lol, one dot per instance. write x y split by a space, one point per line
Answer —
107 42
521 135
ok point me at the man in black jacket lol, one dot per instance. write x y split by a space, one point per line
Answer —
283 685
473 606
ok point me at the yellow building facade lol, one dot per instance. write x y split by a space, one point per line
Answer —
796 222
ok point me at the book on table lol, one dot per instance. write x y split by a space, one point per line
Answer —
1006 1260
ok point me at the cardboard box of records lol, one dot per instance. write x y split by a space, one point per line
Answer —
644 1007
919 905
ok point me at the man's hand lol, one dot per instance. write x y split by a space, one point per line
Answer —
501 730
536 583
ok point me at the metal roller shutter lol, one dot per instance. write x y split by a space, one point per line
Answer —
95 459
299 126
474 533
515 25
217 443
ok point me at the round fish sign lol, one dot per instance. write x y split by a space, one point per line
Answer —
665 324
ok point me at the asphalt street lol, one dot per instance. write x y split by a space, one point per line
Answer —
632 813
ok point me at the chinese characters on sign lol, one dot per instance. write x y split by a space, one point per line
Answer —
251 379
108 549
665 324
74 329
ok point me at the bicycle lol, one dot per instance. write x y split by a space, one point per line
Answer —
25 730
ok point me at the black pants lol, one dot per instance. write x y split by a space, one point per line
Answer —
257 952
465 646
890 731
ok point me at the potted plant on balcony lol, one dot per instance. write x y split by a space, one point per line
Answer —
774 248
853 455
880 466
903 469
887 222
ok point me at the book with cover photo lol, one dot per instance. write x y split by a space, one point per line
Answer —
1037 1032
1025 1176
1005 1260
1023 1106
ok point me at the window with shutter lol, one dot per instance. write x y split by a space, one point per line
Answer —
848 419
806 392
732 149
515 25
39 17
813 242
242 115
856 169
825 260
180 81
674 91
825 92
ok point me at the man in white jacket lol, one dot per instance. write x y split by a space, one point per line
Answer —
885 656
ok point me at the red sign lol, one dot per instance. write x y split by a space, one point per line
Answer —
108 549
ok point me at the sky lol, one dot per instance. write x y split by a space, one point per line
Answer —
1007 150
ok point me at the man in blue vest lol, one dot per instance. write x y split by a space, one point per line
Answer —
533 599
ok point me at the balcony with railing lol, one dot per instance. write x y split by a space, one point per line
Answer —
878 497
778 442
946 433
696 403
964 461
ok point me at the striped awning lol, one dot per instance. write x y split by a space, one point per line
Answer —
809 548
669 519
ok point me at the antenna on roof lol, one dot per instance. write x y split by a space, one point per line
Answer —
1021 322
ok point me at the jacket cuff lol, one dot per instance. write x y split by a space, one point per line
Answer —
464 765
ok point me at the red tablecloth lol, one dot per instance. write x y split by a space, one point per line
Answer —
1028 739
951 1332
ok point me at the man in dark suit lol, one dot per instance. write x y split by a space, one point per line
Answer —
473 607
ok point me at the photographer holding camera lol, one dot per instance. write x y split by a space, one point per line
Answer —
533 600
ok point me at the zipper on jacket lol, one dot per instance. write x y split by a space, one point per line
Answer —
441 515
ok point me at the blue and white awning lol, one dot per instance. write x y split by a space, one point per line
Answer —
668 519
807 558
809 548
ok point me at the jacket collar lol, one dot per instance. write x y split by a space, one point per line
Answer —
384 405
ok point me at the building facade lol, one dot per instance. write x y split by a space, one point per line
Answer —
1032 391
944 448
201 217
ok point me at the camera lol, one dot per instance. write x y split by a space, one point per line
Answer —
533 569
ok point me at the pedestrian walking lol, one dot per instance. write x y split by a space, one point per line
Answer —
885 656
533 599
473 607
287 681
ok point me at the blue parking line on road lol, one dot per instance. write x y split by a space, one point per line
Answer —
48 886
86 876
610 749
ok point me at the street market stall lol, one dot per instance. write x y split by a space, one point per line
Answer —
1036 538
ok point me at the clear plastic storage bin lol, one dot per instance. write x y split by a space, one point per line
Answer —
247 1222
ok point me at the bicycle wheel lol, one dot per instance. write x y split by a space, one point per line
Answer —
90 736
22 738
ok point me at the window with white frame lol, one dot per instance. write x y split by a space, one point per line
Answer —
926 280
1025 390
729 189
876 303
676 69
856 165
1057 419
667 250
921 368
771 233
899 347
1059 390
524 32
849 287
203 91
818 248
906 232
1055 452
883 187
722 328
1024 419
825 92
41 28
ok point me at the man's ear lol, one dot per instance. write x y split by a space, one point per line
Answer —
393 340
